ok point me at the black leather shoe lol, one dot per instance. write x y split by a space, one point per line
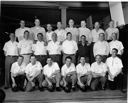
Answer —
58 89
6 87
41 88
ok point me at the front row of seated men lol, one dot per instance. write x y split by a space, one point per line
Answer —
68 77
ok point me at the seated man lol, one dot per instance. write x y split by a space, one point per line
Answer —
98 70
33 74
115 66
83 74
68 72
18 75
52 75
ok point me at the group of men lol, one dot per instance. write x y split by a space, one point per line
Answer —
63 58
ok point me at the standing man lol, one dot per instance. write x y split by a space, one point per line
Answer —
34 73
68 72
25 48
49 32
11 52
20 31
73 30
37 29
84 76
98 70
61 33
101 47
52 75
39 49
54 49
69 48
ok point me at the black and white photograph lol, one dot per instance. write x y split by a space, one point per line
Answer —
63 51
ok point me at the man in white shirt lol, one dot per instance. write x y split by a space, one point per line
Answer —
69 76
37 29
69 48
20 31
61 33
83 74
52 75
101 47
11 52
39 49
83 30
114 70
98 70
116 44
34 73
111 29
25 48
54 49
18 75
73 30
49 32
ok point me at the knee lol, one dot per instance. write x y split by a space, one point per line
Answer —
44 83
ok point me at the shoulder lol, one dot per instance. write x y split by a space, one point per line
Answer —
78 65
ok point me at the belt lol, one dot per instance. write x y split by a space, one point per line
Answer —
40 55
12 56
69 54
27 54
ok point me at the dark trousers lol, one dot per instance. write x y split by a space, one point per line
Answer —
56 58
92 58
9 60
71 79
42 59
117 83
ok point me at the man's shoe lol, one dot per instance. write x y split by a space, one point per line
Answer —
58 89
6 87
41 88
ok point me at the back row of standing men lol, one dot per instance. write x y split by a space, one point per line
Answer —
68 42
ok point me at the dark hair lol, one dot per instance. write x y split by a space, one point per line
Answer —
39 34
68 33
33 55
115 49
2 96
68 57
83 36
26 31
98 55
20 56
49 57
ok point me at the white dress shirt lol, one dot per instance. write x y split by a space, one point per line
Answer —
99 68
114 66
25 46
39 48
35 30
83 69
86 32
49 70
49 35
116 44
16 68
69 47
65 70
54 48
109 32
61 35
101 48
75 33
33 70
20 33
95 34
11 48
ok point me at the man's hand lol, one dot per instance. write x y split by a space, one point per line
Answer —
14 84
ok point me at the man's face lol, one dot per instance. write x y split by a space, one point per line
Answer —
22 23
98 59
26 35
49 27
68 62
33 60
114 36
114 53
69 36
59 25
20 60
111 24
83 39
49 61
71 22
83 24
12 36
101 37
97 25
37 22
40 37
54 37
82 60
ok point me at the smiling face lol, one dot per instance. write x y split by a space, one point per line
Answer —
54 36
12 36
37 22
71 23
26 35
97 25
68 62
49 27
98 59
83 23
82 60
101 37
33 60
49 61
59 25
69 36
40 36
22 23
20 60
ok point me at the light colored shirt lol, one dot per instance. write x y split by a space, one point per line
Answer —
39 48
25 46
75 33
54 48
116 44
61 35
35 30
16 68
83 69
69 47
19 33
11 48
101 48
33 70
95 34
109 32
49 35
86 32
49 70
99 68
65 70
114 65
